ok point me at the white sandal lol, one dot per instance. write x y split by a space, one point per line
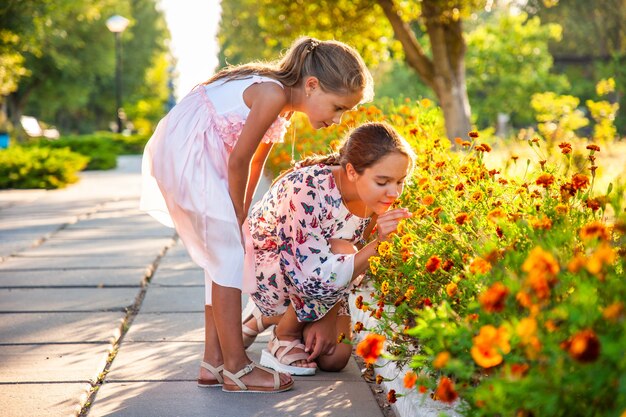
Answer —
282 362
239 386
210 383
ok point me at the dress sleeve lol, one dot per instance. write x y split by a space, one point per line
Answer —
305 249
276 132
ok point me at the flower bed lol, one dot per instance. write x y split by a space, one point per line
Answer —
502 295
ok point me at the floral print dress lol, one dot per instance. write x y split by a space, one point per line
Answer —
290 230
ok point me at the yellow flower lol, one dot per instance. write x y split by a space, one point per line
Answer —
384 288
479 266
526 329
409 292
407 240
384 248
428 200
374 264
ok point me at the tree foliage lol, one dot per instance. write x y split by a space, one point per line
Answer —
67 56
426 33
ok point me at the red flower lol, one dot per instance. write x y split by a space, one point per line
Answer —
391 396
445 391
433 263
583 347
494 298
371 347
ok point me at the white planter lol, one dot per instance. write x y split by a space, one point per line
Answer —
413 404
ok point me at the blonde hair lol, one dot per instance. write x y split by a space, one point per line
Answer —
338 67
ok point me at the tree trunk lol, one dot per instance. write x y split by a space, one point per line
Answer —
445 72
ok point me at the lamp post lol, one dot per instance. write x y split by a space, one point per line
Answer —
117 24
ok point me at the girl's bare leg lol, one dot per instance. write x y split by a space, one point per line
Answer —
212 348
337 360
227 319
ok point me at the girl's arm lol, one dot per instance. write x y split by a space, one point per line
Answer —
256 170
266 101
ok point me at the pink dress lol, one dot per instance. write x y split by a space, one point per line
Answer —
185 175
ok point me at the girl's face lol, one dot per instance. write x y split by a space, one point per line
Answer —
324 108
382 183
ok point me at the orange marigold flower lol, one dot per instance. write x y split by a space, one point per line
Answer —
593 230
473 134
458 140
593 148
614 311
371 347
464 169
451 289
428 200
477 196
358 302
459 187
391 396
433 263
461 218
422 389
445 391
479 266
541 223
489 346
448 228
541 268
561 209
519 370
604 255
583 347
497 213
485 147
409 379
523 298
580 181
545 180
593 204
447 265
494 298
441 360
358 327
526 329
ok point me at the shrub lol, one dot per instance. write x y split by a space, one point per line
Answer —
39 167
507 292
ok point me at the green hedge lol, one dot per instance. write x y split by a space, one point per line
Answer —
39 167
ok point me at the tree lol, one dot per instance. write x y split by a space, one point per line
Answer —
503 72
428 33
69 56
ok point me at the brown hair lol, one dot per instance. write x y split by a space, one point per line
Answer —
362 147
338 67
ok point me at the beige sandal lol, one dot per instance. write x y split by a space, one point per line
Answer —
249 335
282 362
239 386
210 383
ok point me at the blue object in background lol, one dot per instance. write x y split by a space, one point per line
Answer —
4 140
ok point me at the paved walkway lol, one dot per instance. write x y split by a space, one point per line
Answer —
92 290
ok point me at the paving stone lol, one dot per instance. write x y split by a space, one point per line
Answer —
307 398
170 327
66 299
16 263
43 400
173 299
115 233
80 362
88 247
73 277
164 276
60 327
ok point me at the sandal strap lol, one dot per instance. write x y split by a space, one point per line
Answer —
285 357
246 370
215 371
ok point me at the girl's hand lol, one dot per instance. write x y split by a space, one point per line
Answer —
387 223
321 337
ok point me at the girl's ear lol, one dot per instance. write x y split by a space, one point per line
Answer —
311 83
351 172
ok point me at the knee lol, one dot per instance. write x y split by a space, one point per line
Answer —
335 362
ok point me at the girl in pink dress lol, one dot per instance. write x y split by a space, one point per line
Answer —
307 238
202 165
